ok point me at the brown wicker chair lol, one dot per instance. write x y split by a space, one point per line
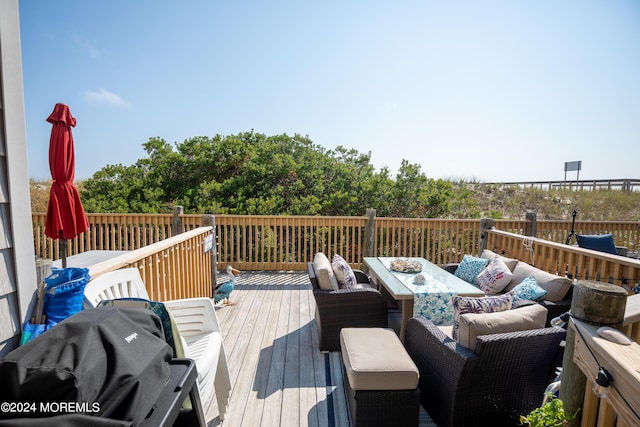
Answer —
504 377
346 308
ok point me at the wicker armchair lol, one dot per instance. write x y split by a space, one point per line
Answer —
346 308
504 377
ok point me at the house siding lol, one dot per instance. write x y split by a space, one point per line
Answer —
17 266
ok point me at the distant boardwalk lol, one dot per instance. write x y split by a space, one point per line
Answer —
588 185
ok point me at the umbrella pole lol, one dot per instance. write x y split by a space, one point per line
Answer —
63 243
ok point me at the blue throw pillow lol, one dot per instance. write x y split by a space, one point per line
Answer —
470 267
598 242
528 290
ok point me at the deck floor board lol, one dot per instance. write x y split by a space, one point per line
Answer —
278 375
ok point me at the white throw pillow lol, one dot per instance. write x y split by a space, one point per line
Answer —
495 277
344 273
511 262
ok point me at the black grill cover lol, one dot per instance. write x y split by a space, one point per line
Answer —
113 357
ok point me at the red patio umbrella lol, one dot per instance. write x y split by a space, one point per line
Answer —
65 214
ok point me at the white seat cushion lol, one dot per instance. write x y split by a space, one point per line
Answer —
324 272
556 286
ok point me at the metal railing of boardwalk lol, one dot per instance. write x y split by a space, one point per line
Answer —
623 184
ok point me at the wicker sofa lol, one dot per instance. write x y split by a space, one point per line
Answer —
502 377
357 307
559 289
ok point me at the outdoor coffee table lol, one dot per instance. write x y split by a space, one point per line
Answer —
431 300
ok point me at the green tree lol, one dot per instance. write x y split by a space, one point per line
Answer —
416 196
256 174
121 189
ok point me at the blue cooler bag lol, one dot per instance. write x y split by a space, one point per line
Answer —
64 293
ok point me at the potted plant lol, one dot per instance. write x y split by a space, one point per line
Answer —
550 414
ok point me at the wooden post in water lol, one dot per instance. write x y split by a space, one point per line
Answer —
485 224
598 303
176 222
210 221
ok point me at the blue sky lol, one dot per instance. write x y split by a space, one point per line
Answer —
484 90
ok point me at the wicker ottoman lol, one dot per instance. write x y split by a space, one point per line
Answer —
380 377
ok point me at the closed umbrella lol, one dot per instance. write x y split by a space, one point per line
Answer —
65 215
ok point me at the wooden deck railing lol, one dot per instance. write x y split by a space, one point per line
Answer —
289 242
112 232
440 241
621 406
254 242
177 267
631 325
562 259
625 233
286 242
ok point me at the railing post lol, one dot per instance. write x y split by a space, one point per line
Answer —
531 229
593 302
176 223
210 221
370 233
485 224
43 270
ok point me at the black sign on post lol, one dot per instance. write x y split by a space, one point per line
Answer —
572 166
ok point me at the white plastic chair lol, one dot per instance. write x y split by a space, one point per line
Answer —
198 325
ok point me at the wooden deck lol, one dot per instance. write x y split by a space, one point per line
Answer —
278 375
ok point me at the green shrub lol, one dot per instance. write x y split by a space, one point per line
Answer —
551 414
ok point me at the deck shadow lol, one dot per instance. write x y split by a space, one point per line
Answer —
289 362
